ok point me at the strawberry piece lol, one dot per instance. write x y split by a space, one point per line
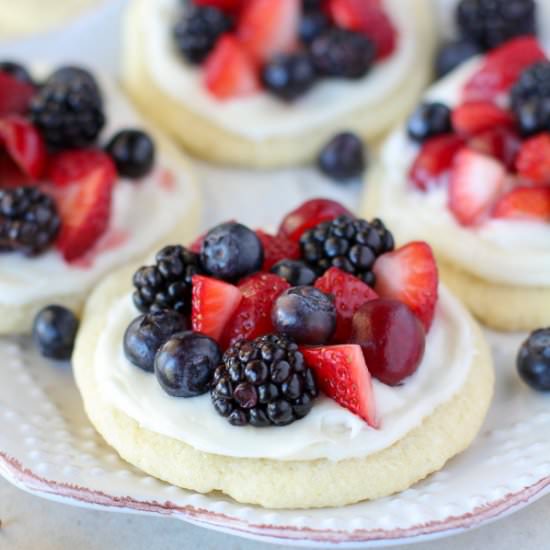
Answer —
308 215
533 161
71 166
524 203
269 27
369 18
502 68
15 95
349 293
501 143
253 316
341 373
434 159
477 116
24 145
213 303
277 249
85 210
228 6
229 71
409 274
476 181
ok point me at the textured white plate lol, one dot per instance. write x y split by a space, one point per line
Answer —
48 448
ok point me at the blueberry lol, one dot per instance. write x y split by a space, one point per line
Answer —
185 364
294 272
19 72
305 314
313 23
54 332
133 152
289 76
231 251
452 54
429 120
533 361
146 334
343 158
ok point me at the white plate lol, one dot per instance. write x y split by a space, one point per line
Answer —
48 448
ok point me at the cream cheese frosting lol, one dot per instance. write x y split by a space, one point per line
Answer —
327 432
262 116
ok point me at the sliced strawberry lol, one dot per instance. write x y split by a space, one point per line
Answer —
409 274
502 68
15 95
229 6
85 210
533 161
341 373
269 27
213 304
229 71
501 143
24 145
476 181
71 166
474 117
253 316
434 159
308 215
369 18
277 249
350 293
524 203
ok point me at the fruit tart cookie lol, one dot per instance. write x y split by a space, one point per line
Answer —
316 367
82 190
471 174
267 82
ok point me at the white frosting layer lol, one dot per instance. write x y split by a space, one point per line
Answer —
505 251
262 116
329 431
143 211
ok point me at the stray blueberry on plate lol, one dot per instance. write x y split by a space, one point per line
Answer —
54 332
533 361
343 158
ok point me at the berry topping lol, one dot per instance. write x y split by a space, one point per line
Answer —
253 316
476 181
533 160
289 76
429 120
213 304
349 244
454 53
72 166
474 117
263 382
29 221
490 23
17 71
349 294
533 361
85 209
310 214
277 248
54 332
147 333
341 373
185 364
392 339
15 94
305 314
500 142
313 23
434 160
133 153
229 6
343 54
168 283
231 251
269 27
70 74
524 203
295 272
343 158
410 275
229 70
198 30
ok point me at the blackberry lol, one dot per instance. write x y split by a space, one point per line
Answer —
313 23
342 53
490 23
263 382
69 114
167 284
350 244
289 76
198 30
71 73
18 71
29 221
